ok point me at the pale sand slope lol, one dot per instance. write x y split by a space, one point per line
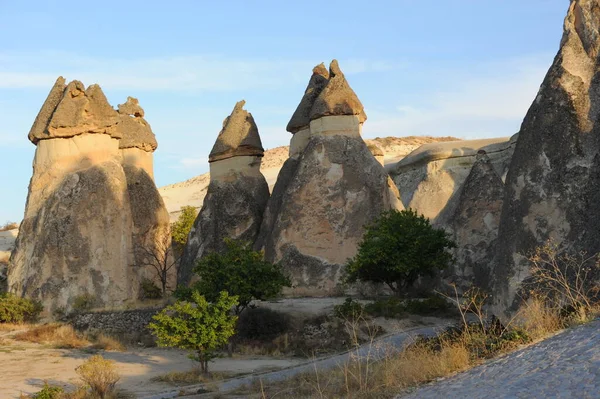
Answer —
191 192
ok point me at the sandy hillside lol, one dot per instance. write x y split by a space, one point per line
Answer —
192 191
7 242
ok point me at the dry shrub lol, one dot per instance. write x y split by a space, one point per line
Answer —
193 376
61 336
538 319
9 226
100 375
108 343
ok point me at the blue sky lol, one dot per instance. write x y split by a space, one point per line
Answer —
467 68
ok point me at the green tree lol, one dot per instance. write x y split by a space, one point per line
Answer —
196 325
398 248
242 272
180 229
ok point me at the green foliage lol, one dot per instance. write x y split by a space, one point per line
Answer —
180 229
262 324
349 310
150 290
397 308
14 309
84 302
398 248
240 271
49 392
197 325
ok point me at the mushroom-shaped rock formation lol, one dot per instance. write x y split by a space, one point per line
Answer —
300 121
237 194
552 189
151 226
138 142
322 201
377 151
76 235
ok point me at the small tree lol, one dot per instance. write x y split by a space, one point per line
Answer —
161 258
241 271
196 325
398 248
180 229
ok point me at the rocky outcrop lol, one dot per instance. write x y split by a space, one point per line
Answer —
553 183
151 224
475 225
77 235
237 194
431 178
325 196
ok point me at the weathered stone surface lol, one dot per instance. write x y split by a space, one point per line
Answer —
131 107
239 136
301 118
78 111
134 130
475 225
337 97
431 178
237 194
319 207
553 183
232 209
86 213
376 150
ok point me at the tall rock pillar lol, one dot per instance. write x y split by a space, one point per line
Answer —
237 194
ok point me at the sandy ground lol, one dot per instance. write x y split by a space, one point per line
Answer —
25 367
191 192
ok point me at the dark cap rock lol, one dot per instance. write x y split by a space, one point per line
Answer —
135 130
75 111
238 137
301 117
337 97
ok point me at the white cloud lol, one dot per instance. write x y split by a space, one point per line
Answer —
486 100
177 73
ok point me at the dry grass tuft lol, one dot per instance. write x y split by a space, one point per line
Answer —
60 336
108 343
190 377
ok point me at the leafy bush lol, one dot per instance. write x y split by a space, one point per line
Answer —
434 304
100 375
49 392
14 309
262 324
349 310
389 308
241 272
397 249
197 325
150 290
180 229
84 302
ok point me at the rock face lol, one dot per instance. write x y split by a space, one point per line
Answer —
151 225
553 183
326 193
475 225
237 194
76 237
431 178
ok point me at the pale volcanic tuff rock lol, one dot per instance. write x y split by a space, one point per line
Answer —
431 177
324 197
553 184
301 118
78 233
475 225
237 194
151 224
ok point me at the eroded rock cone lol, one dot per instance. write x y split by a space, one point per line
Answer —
237 194
151 225
475 225
323 199
76 235
553 183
